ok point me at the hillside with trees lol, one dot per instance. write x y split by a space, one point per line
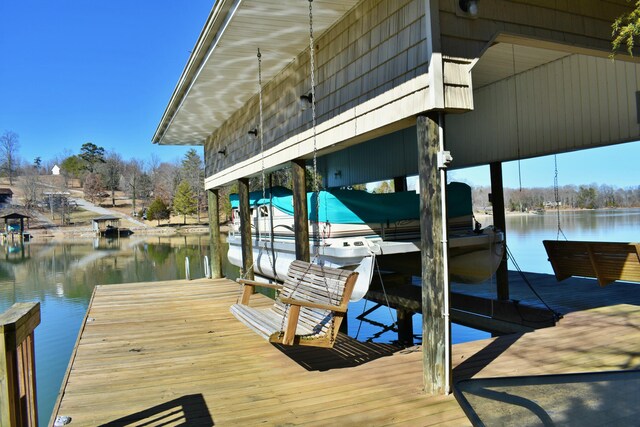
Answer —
105 178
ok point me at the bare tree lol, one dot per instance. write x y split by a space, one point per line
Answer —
9 144
111 171
131 177
165 180
93 188
31 188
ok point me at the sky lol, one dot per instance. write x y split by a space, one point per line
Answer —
77 71
615 165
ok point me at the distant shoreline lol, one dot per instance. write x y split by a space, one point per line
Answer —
479 214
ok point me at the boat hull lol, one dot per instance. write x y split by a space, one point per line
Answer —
473 257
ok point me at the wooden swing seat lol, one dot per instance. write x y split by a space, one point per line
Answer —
605 261
313 299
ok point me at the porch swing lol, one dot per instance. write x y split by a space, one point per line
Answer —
313 299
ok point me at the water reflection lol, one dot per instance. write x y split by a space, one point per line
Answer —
525 233
62 276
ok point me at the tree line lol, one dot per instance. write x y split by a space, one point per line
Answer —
593 196
156 188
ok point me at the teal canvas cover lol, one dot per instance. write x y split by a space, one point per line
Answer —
359 207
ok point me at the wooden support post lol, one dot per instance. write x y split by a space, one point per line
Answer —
245 229
405 327
18 403
499 221
214 233
436 367
399 184
300 210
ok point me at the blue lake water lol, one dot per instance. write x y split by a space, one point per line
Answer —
61 276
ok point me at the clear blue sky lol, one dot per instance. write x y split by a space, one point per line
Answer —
616 165
76 71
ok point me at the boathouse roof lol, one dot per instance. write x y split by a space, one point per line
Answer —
220 76
533 80
104 218
14 215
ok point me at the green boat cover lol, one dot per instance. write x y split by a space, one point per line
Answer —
359 207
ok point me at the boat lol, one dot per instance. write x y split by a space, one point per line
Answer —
358 230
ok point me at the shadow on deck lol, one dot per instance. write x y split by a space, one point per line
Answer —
346 353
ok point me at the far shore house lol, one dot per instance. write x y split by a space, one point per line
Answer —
55 170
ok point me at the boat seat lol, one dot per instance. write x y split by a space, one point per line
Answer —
605 261
308 310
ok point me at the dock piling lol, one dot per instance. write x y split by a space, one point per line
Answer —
18 406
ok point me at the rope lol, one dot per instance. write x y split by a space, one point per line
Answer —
384 291
556 193
556 314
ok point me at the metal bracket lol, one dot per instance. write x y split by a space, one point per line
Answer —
444 159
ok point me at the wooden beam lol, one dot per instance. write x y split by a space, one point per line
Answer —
214 232
500 222
301 212
245 228
434 322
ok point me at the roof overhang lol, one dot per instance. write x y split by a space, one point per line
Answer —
222 72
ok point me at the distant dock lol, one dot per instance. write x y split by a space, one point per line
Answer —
171 353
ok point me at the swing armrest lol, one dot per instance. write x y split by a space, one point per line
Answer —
253 283
311 304
249 286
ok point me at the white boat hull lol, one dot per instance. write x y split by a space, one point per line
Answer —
472 257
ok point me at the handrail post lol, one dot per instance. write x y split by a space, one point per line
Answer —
207 267
18 405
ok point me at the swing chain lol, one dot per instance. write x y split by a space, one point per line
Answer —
262 174
316 187
244 274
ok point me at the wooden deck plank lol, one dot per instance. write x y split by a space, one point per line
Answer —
173 352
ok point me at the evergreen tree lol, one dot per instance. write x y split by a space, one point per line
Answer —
72 167
92 155
157 210
184 202
192 171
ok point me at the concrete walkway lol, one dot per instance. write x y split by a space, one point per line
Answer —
88 206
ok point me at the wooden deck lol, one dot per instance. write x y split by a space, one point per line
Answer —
172 354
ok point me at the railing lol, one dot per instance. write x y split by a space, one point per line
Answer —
17 365
187 269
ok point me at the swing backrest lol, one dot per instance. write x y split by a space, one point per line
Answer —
316 284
